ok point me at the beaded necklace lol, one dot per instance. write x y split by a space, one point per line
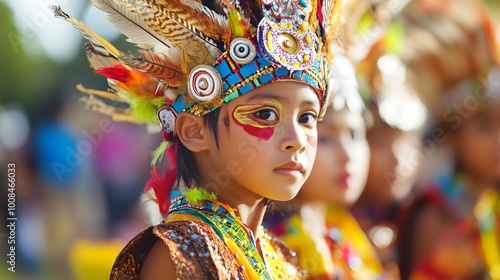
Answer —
236 235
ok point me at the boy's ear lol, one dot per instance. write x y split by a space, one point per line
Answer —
190 131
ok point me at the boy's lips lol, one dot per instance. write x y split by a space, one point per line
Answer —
291 168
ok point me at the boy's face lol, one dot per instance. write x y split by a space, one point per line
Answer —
267 142
341 165
477 146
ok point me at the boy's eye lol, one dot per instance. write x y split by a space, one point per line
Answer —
307 118
267 115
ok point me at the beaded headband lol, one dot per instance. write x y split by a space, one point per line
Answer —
196 57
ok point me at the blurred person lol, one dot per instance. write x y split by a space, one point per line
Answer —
319 227
122 175
452 231
62 163
117 187
22 193
395 160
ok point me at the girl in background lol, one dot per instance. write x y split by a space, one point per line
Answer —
395 159
328 240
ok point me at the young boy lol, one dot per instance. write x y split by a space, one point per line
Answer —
238 88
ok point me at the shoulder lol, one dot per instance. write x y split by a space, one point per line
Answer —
184 248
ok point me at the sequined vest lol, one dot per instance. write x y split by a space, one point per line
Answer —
199 252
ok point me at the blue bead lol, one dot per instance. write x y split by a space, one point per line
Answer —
223 69
246 88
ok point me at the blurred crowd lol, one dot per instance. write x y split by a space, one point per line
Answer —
427 188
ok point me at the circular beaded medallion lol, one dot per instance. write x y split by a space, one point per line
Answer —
204 83
242 51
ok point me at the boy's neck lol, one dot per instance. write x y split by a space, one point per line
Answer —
251 209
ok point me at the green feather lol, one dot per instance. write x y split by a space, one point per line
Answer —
143 109
195 195
159 152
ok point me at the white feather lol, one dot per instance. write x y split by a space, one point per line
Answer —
125 18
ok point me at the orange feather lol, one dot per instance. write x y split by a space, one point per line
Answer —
131 80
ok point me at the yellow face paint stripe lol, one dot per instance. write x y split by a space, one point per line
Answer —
243 114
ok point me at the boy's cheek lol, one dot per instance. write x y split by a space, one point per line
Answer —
312 140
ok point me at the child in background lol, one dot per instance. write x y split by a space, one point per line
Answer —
395 159
238 91
328 241
453 229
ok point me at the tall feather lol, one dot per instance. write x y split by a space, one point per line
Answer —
163 24
129 21
331 15
157 65
199 17
100 44
98 59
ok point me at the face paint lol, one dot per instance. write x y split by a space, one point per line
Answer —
248 117
312 140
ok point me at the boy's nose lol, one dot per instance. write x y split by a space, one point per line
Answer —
294 137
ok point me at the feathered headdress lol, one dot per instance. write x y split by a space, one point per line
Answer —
196 56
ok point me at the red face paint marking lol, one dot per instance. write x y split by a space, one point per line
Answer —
312 140
261 133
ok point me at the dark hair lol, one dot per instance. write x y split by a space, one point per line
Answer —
187 170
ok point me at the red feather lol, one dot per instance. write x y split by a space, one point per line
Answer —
129 79
162 186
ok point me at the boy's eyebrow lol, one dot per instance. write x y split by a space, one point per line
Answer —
311 102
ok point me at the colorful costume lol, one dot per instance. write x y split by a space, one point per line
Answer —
207 240
350 254
471 238
196 56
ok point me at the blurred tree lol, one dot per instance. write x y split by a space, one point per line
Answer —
24 78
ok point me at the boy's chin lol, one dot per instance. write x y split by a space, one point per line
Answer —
284 196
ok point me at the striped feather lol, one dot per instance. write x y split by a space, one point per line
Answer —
98 59
128 18
172 23
159 66
332 14
182 21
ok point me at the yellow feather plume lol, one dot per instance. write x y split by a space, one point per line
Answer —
99 43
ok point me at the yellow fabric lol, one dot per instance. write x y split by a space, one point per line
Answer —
489 207
339 217
320 265
94 260
275 264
